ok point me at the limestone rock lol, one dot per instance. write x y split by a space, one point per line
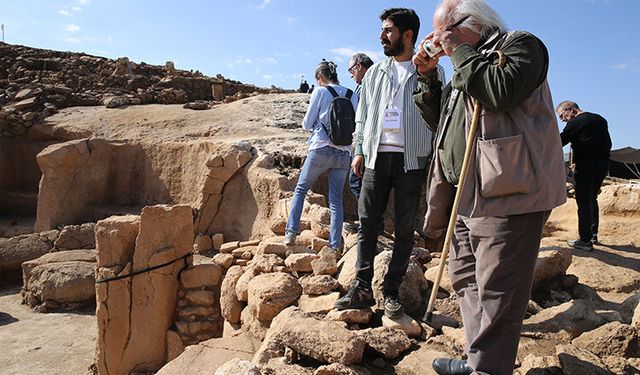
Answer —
445 282
318 214
318 304
456 335
230 306
216 241
300 262
278 225
18 249
326 264
551 264
352 316
238 367
224 260
340 369
572 318
175 347
203 275
578 361
318 285
202 244
135 313
390 343
537 365
412 290
60 280
324 341
268 247
74 237
404 323
277 366
270 293
418 361
611 339
208 356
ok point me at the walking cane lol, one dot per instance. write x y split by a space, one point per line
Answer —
454 210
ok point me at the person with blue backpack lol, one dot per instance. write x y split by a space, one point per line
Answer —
331 119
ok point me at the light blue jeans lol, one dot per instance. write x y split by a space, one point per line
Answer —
336 163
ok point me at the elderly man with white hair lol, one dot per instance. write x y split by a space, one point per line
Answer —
515 178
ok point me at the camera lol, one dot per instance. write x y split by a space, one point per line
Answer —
431 48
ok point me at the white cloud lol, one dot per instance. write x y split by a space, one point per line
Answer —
243 60
84 2
72 27
76 9
270 60
632 65
65 13
291 21
347 52
264 4
72 40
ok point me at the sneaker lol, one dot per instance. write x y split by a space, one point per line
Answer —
392 307
579 244
351 227
290 238
337 252
358 297
594 240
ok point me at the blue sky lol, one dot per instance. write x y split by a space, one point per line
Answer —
595 58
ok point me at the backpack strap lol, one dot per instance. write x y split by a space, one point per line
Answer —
332 91
349 94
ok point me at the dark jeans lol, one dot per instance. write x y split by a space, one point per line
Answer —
389 174
355 185
588 179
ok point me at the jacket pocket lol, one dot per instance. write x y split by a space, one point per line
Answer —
504 167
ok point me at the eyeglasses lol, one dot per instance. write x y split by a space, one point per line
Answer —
352 67
457 23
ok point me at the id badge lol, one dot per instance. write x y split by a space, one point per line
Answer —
392 120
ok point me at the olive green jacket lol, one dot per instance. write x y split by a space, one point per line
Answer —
516 164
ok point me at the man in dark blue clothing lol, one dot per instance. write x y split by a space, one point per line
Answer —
588 134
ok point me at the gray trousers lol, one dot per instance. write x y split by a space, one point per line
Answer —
491 267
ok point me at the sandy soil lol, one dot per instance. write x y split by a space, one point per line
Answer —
34 343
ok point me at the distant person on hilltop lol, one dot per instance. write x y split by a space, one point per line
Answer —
304 87
324 155
311 89
588 134
515 177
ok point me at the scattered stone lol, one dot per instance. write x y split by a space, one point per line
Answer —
612 339
578 361
300 262
388 342
445 281
573 318
270 293
552 264
203 275
202 244
326 264
340 369
224 260
238 367
74 237
216 241
537 365
229 246
279 366
405 323
352 316
198 105
318 285
318 304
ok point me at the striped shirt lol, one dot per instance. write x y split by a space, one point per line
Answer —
374 98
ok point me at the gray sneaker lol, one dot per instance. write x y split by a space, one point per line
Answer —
392 307
290 238
581 245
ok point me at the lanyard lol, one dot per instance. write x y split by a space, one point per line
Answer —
396 89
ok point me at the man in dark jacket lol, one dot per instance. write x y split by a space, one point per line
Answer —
588 134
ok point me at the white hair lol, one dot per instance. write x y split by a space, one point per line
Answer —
482 16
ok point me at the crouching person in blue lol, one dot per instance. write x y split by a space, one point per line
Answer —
323 156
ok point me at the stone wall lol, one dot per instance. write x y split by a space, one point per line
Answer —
135 313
